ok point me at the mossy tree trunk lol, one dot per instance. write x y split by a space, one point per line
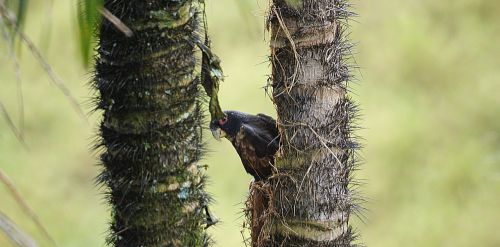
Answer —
151 127
311 196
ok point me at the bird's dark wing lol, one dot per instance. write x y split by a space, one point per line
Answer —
269 123
256 148
264 140
262 130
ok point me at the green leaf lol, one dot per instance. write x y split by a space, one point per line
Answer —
88 19
19 7
22 7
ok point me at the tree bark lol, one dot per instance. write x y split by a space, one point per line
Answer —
311 197
151 128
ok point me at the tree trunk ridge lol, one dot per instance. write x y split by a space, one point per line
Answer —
311 195
152 124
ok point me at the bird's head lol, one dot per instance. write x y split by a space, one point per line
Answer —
228 126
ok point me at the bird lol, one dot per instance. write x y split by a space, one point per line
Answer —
255 138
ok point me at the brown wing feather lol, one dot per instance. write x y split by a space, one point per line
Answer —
260 167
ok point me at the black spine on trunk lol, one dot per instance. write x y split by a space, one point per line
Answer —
312 194
151 128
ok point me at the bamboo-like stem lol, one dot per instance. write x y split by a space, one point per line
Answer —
311 194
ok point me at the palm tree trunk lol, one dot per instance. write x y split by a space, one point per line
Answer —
311 197
151 126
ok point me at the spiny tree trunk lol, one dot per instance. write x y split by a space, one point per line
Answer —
311 199
151 128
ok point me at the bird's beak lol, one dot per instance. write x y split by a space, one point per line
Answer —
218 133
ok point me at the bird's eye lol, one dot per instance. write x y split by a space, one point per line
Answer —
222 121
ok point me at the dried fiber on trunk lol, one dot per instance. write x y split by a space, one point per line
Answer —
312 194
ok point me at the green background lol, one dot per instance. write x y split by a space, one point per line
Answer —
429 90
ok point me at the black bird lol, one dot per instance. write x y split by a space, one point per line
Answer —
255 138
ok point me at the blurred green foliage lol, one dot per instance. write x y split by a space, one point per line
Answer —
88 14
429 89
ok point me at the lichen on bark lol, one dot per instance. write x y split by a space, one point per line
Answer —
149 91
